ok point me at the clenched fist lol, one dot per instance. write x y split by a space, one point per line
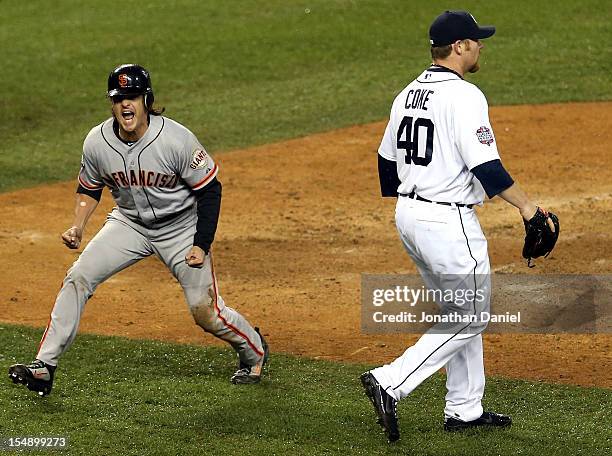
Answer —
72 237
195 257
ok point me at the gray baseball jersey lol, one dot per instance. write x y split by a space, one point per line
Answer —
152 179
152 182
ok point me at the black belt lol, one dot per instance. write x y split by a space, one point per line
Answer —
420 198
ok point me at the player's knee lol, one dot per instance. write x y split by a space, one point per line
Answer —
202 307
80 279
197 297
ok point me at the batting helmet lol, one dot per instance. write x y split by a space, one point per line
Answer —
131 79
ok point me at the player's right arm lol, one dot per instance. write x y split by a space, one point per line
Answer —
85 206
387 162
88 195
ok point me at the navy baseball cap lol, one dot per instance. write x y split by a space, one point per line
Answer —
451 26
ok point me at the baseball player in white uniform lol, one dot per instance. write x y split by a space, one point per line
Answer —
439 157
168 201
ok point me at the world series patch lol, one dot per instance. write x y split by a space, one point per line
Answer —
485 136
200 160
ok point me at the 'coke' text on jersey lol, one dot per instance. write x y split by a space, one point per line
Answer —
438 131
151 179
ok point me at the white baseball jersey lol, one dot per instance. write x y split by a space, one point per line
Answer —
151 179
438 131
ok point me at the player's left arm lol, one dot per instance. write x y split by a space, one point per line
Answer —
199 171
478 148
493 177
472 128
208 209
496 181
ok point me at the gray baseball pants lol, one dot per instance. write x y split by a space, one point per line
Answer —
121 243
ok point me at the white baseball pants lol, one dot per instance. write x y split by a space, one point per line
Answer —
448 246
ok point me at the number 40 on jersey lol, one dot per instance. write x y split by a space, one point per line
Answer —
409 129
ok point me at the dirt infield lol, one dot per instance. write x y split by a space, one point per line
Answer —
303 218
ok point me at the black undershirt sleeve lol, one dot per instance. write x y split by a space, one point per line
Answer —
493 177
387 174
95 194
209 207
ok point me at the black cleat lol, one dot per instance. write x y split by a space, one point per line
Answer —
37 376
487 419
246 375
384 405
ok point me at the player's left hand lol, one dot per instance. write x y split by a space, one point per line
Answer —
195 257
541 234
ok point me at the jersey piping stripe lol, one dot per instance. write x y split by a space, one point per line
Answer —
207 179
465 327
89 186
218 311
441 69
139 168
435 82
110 145
472 256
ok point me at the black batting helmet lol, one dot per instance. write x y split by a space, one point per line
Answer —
131 79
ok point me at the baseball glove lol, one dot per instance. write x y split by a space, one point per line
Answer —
540 239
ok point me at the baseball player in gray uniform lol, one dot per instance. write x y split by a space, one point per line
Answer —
167 200
439 157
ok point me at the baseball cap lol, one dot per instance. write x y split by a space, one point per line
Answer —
451 26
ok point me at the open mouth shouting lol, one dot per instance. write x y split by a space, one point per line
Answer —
127 114
131 116
128 120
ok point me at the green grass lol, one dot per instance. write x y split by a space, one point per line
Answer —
249 72
118 396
